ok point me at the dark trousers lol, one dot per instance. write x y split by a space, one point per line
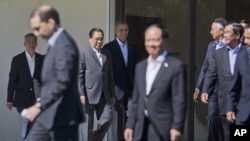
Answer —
225 128
119 119
213 118
149 133
40 133
104 116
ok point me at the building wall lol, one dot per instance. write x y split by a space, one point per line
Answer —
77 16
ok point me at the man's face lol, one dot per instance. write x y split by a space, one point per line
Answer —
96 40
216 31
247 37
30 43
153 41
121 32
42 29
229 35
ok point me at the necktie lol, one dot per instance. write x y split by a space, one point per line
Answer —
99 55
125 53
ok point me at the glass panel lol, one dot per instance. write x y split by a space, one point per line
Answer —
141 13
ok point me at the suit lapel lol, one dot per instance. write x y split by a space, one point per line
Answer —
36 64
143 77
93 55
26 66
104 58
130 52
118 50
225 60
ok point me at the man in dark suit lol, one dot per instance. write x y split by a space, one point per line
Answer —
123 61
158 107
25 67
59 111
97 84
238 98
221 69
217 29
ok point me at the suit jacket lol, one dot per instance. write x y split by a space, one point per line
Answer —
238 97
96 79
210 50
166 102
219 70
60 100
21 87
124 82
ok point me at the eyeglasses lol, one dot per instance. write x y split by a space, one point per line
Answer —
228 32
99 39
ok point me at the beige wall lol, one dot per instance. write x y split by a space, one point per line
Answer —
77 16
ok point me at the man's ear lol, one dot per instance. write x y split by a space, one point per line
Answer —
51 21
238 36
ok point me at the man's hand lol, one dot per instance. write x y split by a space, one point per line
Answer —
231 116
9 105
204 98
112 100
83 101
31 113
196 94
128 134
175 135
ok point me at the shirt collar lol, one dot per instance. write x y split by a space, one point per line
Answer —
120 43
96 51
52 39
160 58
235 50
28 55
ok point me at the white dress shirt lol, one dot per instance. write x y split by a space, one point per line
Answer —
31 62
153 69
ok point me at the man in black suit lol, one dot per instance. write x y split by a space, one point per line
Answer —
59 111
238 103
25 67
221 69
158 107
123 61
97 84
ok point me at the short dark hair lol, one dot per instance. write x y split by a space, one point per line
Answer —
29 35
120 22
164 31
93 30
237 28
221 21
45 15
245 21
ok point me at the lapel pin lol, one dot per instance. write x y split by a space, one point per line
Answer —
165 64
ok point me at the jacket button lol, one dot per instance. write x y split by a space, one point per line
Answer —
31 89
